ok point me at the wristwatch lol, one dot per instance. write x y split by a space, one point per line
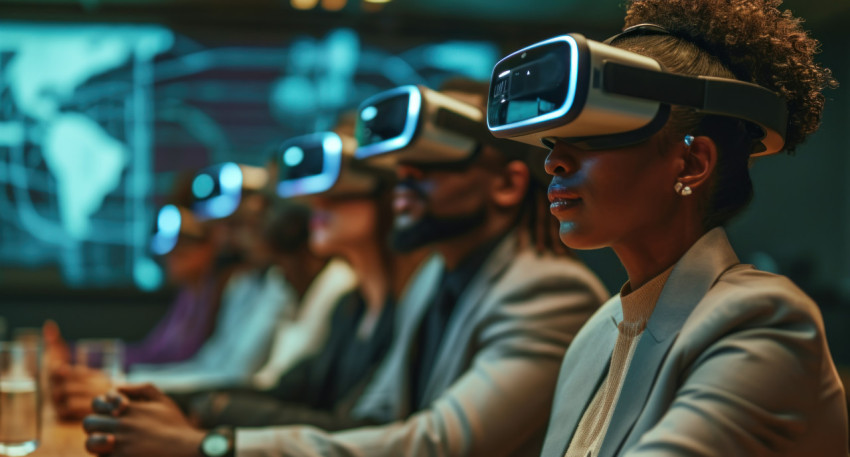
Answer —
219 443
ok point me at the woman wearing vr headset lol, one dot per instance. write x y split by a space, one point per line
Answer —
698 354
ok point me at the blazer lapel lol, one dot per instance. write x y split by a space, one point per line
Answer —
459 326
581 374
412 309
691 278
387 397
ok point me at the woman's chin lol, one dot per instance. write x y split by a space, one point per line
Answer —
574 237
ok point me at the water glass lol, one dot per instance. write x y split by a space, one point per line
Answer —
103 355
20 399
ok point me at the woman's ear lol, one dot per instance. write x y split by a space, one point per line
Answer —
699 159
511 184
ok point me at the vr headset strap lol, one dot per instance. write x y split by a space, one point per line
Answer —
719 96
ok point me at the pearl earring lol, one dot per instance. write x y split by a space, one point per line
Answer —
682 189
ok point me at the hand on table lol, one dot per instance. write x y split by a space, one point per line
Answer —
140 421
72 389
56 351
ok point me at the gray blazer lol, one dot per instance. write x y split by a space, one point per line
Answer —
734 363
494 376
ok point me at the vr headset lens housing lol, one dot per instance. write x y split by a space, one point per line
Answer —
388 121
320 163
416 124
535 84
168 221
309 164
217 190
597 96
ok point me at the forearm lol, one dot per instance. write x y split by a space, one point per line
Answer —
267 413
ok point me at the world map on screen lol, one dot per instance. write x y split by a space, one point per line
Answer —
98 121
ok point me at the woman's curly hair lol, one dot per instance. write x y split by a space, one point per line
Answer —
758 43
748 40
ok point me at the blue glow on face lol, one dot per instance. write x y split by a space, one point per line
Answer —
293 156
323 182
202 186
368 113
518 128
168 220
394 144
230 178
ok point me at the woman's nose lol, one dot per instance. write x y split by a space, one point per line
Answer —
560 161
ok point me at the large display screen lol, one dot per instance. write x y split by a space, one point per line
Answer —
100 122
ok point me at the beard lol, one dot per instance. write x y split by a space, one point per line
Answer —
430 229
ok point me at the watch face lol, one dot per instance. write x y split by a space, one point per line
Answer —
215 445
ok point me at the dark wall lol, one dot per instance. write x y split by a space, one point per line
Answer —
89 314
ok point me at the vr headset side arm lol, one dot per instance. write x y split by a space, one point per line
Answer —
710 95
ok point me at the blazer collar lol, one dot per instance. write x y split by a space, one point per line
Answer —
410 309
467 305
584 367
692 276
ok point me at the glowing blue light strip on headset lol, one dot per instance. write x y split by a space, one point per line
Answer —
222 205
414 106
571 92
332 150
168 222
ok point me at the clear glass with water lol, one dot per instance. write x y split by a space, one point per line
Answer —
104 355
20 399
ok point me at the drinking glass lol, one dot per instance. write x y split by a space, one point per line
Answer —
32 340
103 355
20 401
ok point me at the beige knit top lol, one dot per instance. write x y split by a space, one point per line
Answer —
637 308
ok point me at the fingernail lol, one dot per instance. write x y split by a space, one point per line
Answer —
98 439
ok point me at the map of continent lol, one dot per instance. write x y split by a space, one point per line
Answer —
45 72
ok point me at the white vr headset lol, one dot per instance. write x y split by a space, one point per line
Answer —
418 125
217 190
322 163
172 222
598 96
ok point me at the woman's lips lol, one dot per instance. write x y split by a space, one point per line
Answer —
562 199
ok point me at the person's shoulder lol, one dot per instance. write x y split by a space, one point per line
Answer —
530 268
745 297
744 283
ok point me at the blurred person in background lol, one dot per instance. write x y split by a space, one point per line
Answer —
481 330
277 267
351 220
188 254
